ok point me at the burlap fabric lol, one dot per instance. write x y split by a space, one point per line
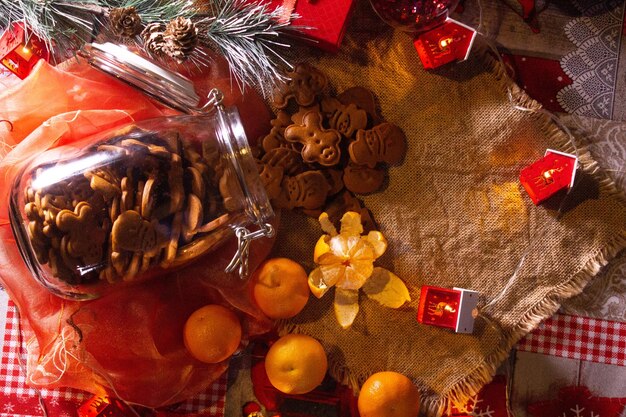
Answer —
456 215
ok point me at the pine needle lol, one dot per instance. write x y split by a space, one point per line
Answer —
156 10
248 35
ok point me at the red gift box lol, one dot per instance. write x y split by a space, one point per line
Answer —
327 18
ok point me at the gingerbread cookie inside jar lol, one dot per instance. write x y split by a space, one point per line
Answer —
139 201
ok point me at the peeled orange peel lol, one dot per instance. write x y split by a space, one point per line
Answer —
346 261
386 288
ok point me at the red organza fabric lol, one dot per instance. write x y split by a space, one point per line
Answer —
128 343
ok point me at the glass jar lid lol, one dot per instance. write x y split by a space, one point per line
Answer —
166 86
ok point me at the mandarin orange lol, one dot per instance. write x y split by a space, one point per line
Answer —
212 333
280 288
296 364
388 394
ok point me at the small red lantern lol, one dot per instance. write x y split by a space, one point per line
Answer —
103 406
549 175
448 308
448 42
20 50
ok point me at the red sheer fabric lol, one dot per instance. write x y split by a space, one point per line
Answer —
128 343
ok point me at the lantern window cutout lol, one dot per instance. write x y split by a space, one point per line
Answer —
544 178
448 42
448 308
21 50
104 406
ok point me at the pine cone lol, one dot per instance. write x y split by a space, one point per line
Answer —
153 39
181 38
125 21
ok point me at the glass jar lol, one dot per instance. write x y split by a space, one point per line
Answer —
138 201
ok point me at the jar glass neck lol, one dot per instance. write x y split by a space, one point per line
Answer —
232 137
168 87
258 209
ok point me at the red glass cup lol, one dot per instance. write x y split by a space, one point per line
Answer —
414 16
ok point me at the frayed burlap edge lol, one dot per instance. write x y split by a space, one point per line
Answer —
467 387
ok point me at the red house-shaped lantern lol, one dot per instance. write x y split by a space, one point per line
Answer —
20 50
549 175
451 41
448 308
103 406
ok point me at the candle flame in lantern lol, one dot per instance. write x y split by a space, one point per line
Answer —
440 308
25 52
449 308
547 176
445 42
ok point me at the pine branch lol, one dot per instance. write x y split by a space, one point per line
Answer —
155 10
67 24
249 36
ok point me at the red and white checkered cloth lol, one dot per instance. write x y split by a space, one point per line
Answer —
17 399
581 338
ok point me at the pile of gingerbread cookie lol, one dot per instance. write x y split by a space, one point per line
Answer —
322 150
149 200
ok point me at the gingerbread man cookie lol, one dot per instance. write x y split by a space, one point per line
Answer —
363 99
80 190
276 137
348 119
289 160
362 179
156 150
307 190
384 143
271 178
334 177
320 145
85 236
51 205
330 106
130 232
304 84
299 115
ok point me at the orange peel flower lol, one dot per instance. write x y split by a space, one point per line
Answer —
346 261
